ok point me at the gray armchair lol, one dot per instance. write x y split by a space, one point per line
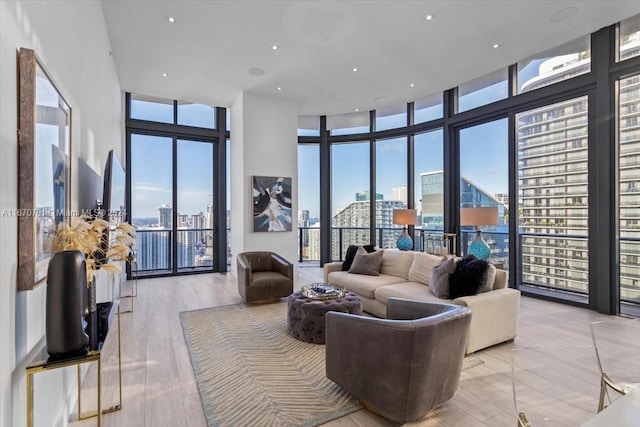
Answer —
264 277
401 368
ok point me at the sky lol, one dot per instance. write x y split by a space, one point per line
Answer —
483 158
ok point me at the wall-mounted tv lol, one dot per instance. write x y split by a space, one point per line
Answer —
113 195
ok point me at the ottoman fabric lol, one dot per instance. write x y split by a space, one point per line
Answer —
305 316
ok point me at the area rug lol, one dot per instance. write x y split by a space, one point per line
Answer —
250 371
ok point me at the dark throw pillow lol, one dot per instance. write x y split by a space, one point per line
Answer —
351 254
468 276
366 263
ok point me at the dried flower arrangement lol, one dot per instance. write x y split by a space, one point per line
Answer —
87 235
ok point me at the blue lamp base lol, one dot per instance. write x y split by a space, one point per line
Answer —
404 242
479 247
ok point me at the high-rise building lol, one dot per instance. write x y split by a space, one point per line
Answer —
502 198
303 221
183 221
198 224
357 215
153 249
553 182
165 214
186 249
471 196
364 196
314 242
399 193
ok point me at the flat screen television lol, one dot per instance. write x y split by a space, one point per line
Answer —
113 195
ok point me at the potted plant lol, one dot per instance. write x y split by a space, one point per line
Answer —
80 248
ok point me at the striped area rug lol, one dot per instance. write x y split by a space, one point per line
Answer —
250 372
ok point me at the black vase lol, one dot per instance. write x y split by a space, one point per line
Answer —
66 285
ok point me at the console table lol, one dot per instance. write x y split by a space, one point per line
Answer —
43 364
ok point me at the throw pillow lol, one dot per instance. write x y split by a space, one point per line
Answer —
351 254
439 284
468 276
366 263
489 279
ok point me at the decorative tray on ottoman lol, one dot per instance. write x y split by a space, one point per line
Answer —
322 291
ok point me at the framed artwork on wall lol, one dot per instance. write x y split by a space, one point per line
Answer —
44 149
271 203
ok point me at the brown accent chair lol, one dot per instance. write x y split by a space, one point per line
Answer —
264 277
401 368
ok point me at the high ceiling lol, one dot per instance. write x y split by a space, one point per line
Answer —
214 49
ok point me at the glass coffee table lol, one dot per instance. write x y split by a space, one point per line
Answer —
306 309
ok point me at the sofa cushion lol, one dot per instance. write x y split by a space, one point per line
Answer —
488 279
468 276
440 277
501 279
407 290
396 263
421 267
366 263
362 285
351 254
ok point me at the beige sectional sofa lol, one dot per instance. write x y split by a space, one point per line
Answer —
407 275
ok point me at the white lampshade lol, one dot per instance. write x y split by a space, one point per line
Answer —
479 216
404 216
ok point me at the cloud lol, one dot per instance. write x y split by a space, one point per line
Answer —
391 146
149 187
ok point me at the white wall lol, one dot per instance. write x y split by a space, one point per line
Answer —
264 142
70 38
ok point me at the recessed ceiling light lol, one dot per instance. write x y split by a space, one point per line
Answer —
429 17
279 88
495 46
274 47
164 74
355 69
357 109
257 71
171 19
412 85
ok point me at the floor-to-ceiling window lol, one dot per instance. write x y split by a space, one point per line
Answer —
391 185
428 185
151 160
553 195
484 183
629 190
175 203
350 198
309 202
533 140
194 193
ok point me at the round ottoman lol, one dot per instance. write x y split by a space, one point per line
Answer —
305 316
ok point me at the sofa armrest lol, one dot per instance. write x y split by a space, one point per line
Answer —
404 309
282 266
330 267
494 317
245 275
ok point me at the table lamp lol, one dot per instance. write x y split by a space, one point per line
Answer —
478 217
404 217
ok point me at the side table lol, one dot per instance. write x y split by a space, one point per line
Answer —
43 364
133 292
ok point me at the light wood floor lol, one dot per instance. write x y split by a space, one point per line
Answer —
159 387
